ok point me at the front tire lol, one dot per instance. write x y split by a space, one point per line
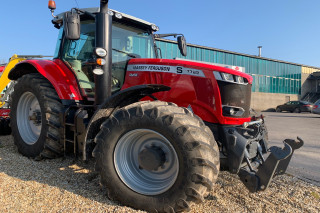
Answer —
278 109
35 117
297 110
156 156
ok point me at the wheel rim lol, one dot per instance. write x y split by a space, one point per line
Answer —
127 165
29 118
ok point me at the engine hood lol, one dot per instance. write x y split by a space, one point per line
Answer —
169 65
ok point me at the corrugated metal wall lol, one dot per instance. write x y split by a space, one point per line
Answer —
268 76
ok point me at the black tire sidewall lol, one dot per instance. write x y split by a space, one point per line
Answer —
26 149
131 198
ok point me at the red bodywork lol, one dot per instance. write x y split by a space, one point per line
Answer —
190 87
194 86
60 76
4 113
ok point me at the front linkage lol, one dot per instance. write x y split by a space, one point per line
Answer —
276 164
246 155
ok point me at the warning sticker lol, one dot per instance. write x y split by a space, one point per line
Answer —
166 69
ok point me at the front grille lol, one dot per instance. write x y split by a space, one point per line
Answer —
236 95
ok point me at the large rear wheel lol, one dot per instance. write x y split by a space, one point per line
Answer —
35 117
156 156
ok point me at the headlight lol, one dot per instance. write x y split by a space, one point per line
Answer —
98 71
99 51
222 76
118 15
231 111
155 28
227 77
240 80
111 13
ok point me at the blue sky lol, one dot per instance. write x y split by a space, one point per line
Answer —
287 29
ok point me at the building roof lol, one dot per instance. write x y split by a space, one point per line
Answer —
241 54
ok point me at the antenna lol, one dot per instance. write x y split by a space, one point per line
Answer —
77 3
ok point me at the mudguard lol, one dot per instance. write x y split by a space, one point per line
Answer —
59 75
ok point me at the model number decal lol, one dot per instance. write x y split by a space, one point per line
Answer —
195 72
167 69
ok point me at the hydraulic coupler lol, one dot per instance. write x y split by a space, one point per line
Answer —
276 164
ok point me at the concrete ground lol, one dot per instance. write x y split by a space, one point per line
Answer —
305 162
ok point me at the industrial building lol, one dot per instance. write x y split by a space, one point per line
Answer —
274 81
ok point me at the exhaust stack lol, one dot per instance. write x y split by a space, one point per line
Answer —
260 47
103 40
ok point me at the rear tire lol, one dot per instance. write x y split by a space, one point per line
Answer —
35 117
190 152
278 109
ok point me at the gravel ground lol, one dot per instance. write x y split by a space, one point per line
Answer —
63 185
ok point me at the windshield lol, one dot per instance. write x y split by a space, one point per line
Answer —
305 102
127 42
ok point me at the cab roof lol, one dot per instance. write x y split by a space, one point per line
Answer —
125 18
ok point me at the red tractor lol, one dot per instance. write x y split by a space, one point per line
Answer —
159 130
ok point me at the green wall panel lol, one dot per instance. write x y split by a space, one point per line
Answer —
268 76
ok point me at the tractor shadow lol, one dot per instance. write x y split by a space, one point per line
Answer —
67 174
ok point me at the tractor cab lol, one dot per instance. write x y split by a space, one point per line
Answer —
131 38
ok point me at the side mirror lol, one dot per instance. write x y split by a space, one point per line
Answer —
182 44
71 22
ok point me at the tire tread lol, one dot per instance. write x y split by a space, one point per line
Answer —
203 149
52 107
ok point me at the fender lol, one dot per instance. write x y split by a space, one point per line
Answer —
59 75
123 98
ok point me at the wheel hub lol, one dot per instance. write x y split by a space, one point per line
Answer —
29 118
36 117
151 159
146 161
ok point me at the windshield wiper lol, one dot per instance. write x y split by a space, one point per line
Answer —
129 54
